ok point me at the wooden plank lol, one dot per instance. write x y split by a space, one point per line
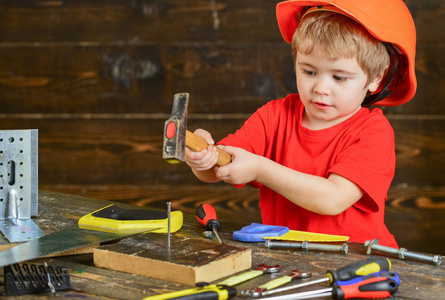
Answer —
427 16
191 20
187 261
414 214
223 78
129 151
420 145
115 151
430 83
133 79
121 20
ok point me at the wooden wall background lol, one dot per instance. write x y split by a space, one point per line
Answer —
97 78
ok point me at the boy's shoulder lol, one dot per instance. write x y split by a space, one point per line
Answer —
370 122
374 114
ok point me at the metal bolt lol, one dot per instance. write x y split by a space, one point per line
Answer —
402 253
306 246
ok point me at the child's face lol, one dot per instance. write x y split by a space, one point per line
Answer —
331 90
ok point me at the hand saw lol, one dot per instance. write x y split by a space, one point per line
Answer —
104 225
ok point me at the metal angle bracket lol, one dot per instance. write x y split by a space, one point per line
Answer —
19 184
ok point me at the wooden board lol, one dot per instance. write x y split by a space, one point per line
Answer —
188 261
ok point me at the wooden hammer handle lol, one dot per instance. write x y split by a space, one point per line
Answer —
197 143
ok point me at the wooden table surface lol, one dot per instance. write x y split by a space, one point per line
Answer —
58 211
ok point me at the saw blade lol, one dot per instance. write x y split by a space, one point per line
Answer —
58 242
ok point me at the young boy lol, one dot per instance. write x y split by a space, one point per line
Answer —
324 161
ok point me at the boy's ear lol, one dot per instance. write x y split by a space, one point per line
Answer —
374 85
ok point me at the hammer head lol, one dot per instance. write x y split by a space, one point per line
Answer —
175 128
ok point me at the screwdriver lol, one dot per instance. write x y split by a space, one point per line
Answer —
359 268
206 292
371 288
206 215
392 275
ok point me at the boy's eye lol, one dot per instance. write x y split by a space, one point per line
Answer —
340 78
308 72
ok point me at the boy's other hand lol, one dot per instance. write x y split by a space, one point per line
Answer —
205 159
243 168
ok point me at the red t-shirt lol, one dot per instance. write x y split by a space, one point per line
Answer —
360 149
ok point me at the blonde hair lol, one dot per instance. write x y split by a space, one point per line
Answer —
340 37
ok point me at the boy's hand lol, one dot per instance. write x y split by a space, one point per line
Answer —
205 159
243 168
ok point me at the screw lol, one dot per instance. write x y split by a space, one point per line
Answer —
402 253
306 246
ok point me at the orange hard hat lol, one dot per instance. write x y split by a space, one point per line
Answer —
387 20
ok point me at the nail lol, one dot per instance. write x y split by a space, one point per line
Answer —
169 207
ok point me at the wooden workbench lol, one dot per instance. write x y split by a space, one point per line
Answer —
57 211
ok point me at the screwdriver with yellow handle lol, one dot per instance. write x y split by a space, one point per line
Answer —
356 269
209 292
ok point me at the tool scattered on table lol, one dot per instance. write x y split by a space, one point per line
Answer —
206 215
19 185
260 270
402 253
115 219
256 232
306 246
387 274
32 279
202 292
258 292
104 225
371 288
177 137
359 268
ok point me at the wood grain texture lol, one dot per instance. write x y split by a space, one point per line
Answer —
137 21
420 281
221 78
132 79
129 151
160 21
96 56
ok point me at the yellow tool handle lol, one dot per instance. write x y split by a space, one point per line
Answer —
241 278
197 143
93 222
208 292
276 283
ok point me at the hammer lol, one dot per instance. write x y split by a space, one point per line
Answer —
177 137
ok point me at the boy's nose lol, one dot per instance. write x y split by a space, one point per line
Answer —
321 87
